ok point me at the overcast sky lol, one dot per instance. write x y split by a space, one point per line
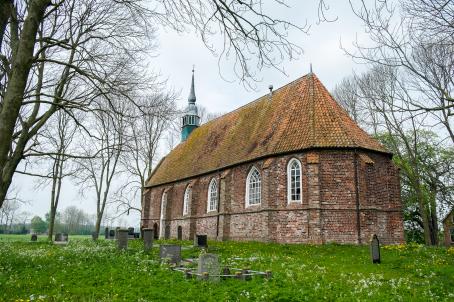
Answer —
178 52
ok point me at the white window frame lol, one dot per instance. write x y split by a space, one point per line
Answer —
248 180
161 220
289 181
213 198
186 200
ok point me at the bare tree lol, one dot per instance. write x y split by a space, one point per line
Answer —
143 134
102 155
416 37
404 131
55 139
67 54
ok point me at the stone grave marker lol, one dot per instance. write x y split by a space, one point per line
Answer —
94 236
209 264
131 233
201 241
106 233
122 239
34 238
148 239
111 234
375 249
170 252
61 238
136 235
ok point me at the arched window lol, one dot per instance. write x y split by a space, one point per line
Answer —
213 196
187 194
163 211
253 187
294 181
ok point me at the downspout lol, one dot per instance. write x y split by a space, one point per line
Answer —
358 222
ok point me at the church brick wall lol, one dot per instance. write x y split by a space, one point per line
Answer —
346 197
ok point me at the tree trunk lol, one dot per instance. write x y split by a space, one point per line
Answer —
5 14
12 102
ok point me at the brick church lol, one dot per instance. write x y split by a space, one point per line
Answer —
289 167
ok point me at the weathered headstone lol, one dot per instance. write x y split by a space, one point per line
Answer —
116 232
167 232
179 233
94 236
112 234
61 238
246 273
209 264
147 239
58 237
122 239
34 237
170 253
375 249
201 241
225 273
131 233
136 235
106 233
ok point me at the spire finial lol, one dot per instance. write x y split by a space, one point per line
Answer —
192 98
311 68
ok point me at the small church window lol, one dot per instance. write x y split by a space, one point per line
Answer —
294 181
253 188
213 196
162 217
187 193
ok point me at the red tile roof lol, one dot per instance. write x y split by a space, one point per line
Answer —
301 115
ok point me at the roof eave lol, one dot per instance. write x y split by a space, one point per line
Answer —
389 154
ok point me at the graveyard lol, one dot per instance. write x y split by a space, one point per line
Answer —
106 270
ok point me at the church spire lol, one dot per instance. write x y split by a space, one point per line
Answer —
191 119
192 98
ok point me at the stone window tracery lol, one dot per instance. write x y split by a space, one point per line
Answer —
253 188
212 196
187 194
294 181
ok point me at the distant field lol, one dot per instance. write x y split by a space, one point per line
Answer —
95 271
8 237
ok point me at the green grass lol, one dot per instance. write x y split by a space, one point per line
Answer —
88 271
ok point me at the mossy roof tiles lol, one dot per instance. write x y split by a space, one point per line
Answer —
301 115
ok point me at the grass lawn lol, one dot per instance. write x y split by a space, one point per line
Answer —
95 271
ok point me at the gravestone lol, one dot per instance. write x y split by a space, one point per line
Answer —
106 233
375 249
209 264
34 237
137 235
148 239
61 238
58 237
246 274
131 233
201 241
170 253
94 236
112 234
225 273
116 232
179 233
167 232
122 239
